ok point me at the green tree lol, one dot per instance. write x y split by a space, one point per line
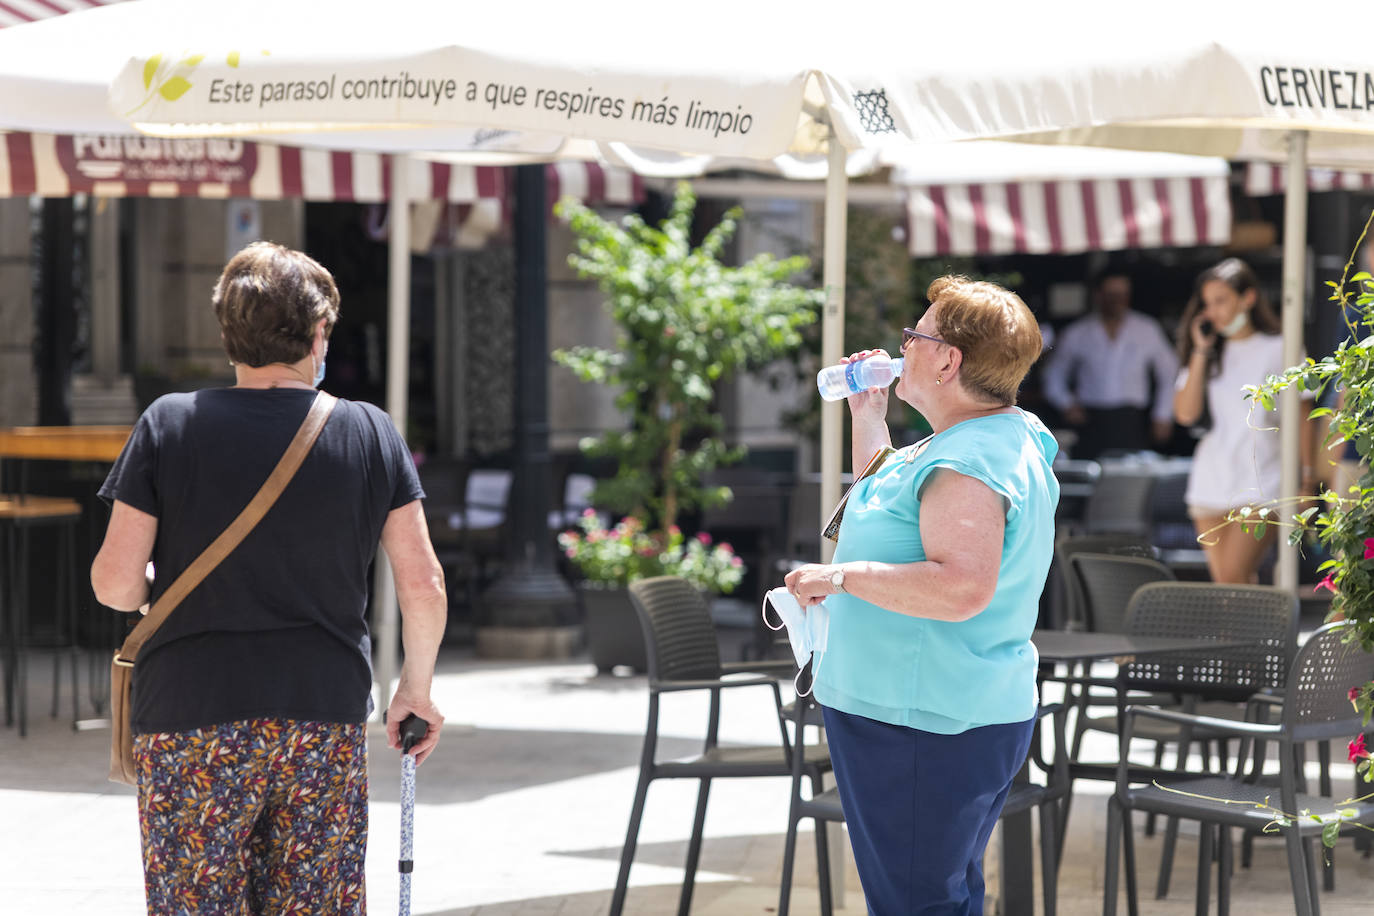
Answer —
684 322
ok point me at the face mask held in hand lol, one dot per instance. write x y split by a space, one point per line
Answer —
807 631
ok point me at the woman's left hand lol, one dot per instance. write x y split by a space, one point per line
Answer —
810 584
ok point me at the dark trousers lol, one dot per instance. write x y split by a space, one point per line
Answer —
920 807
1124 429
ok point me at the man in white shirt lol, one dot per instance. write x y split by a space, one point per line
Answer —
1099 374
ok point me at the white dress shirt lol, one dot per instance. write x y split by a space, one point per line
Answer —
1093 369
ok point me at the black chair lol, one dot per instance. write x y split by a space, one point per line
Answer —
1316 708
1107 583
1120 503
824 806
1074 616
683 654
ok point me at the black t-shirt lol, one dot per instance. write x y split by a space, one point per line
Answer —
278 629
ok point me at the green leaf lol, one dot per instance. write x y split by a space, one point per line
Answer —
174 88
1330 833
150 70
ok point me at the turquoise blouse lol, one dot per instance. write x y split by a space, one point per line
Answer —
944 676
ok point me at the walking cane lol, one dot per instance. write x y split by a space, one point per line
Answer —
412 730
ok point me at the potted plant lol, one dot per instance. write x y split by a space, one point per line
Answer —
610 559
684 321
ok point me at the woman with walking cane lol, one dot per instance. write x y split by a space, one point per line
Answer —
250 703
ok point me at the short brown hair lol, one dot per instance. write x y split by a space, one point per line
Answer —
997 335
268 300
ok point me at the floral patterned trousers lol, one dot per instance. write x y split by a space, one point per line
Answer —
264 816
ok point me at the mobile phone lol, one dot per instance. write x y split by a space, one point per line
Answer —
1208 328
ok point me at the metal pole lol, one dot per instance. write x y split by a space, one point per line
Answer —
832 329
397 380
1294 298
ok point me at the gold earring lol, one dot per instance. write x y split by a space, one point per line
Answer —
939 379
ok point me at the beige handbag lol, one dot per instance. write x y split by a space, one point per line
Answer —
122 665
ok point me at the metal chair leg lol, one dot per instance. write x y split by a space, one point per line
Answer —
789 854
627 853
1128 845
1204 868
1298 872
1224 856
1113 865
684 905
1049 862
1166 858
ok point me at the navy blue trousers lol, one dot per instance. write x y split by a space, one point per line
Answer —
920 807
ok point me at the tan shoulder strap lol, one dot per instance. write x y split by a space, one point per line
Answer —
224 545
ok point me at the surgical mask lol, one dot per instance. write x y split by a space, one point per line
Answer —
319 375
1235 325
807 631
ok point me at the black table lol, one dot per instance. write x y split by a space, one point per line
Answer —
1064 646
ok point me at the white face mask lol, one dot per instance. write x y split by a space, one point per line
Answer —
1235 325
807 630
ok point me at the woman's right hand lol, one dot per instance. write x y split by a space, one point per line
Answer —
1203 342
869 406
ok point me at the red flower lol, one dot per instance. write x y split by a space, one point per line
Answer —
1354 694
1325 584
1369 548
1356 749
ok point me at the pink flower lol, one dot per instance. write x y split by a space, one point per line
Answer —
704 538
1325 584
736 561
1356 750
725 546
1369 548
570 552
589 512
674 531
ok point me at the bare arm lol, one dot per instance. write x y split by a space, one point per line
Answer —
119 572
962 526
424 610
1191 398
868 410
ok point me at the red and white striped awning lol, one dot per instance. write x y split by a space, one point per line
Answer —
18 12
1263 179
1068 216
59 165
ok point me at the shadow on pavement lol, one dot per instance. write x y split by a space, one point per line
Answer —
471 764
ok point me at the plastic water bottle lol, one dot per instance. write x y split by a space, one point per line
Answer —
878 371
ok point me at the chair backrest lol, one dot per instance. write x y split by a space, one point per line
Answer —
486 494
679 635
1107 582
1120 503
1316 705
1264 615
1062 573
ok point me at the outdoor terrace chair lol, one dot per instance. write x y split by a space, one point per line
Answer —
824 806
683 654
1120 503
1211 681
1316 708
1074 616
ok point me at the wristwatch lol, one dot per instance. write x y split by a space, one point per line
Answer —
837 581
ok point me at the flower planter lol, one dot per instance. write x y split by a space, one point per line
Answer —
614 636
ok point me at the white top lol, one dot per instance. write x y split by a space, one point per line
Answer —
1237 462
1091 368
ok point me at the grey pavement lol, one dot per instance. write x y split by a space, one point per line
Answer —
522 811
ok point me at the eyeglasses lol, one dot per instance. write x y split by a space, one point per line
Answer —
910 334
